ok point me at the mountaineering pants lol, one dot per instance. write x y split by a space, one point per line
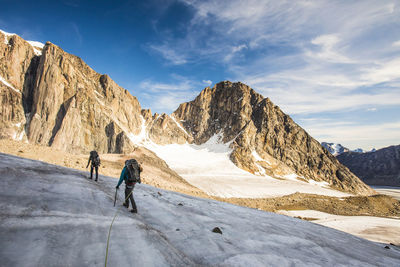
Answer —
91 171
128 190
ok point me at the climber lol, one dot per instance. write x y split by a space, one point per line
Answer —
131 175
95 159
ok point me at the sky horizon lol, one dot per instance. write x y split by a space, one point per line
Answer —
333 66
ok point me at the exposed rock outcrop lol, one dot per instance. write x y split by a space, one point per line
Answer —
381 167
74 107
164 129
263 138
67 105
18 64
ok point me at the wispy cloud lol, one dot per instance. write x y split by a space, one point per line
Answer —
167 97
397 43
77 32
307 56
207 82
168 53
353 135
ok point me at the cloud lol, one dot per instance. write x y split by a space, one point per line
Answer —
207 82
72 3
152 86
352 135
234 51
169 54
77 32
167 96
169 102
328 52
309 57
396 44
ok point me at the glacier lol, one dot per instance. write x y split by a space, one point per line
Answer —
56 216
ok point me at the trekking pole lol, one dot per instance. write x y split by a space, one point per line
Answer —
115 198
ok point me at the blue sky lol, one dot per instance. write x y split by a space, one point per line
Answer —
334 66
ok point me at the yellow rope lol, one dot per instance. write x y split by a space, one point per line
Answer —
109 230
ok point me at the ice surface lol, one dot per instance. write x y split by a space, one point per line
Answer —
55 216
209 168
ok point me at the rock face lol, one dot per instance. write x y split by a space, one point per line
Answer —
164 129
381 167
263 138
67 105
18 63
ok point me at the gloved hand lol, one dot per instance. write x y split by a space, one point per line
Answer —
117 187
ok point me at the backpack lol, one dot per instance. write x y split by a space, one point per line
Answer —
95 158
133 168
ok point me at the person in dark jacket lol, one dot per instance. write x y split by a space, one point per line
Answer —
129 186
94 159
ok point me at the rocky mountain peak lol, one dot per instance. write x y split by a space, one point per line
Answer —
225 108
264 140
67 105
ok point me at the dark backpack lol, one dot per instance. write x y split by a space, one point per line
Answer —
133 168
94 156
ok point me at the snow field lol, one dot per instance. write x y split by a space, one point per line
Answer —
55 216
209 168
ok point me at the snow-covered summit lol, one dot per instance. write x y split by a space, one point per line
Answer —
37 46
334 149
55 216
337 149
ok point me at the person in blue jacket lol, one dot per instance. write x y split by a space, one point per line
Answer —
129 185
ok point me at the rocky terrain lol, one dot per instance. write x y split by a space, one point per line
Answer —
381 167
52 98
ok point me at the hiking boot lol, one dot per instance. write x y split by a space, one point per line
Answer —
96 180
125 205
134 211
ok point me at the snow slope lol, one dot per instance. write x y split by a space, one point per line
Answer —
55 216
377 229
209 168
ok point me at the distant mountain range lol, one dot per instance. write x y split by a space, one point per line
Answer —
381 167
337 149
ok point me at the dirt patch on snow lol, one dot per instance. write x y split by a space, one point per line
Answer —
377 205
